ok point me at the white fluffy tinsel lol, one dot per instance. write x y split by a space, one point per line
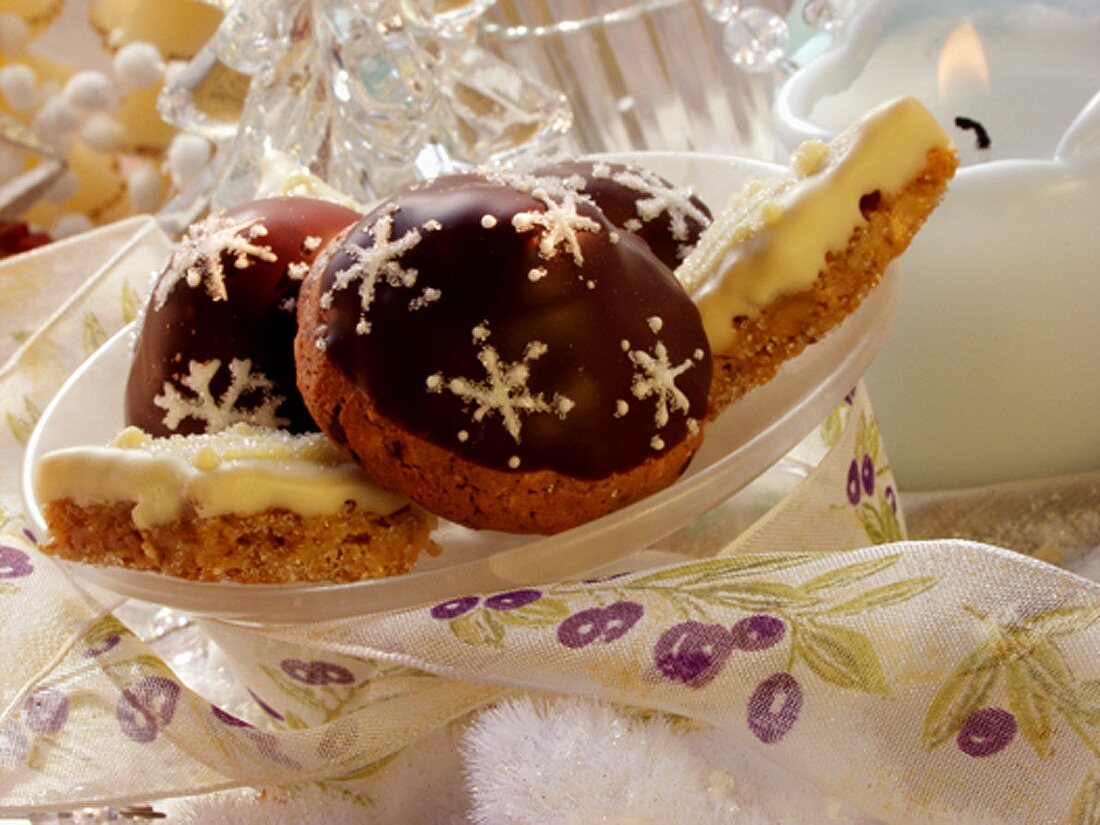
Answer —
574 761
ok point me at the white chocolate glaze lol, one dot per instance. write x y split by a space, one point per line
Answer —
242 470
773 238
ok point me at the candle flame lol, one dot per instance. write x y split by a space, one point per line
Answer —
962 61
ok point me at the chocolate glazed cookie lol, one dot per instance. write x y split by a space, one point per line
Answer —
500 353
669 218
215 343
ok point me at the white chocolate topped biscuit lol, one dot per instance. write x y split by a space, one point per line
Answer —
242 470
773 239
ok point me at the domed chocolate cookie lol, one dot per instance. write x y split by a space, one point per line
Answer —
497 351
669 218
215 346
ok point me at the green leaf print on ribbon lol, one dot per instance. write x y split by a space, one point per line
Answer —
477 622
838 654
833 427
131 302
694 653
93 333
875 504
1039 690
809 616
21 425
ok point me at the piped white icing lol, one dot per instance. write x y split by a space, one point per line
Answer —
197 259
504 391
654 375
218 413
243 470
378 262
773 238
559 225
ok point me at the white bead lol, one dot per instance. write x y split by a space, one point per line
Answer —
89 90
145 188
187 156
64 188
17 82
56 122
69 224
103 133
138 65
14 33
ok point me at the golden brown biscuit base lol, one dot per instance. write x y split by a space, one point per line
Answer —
789 324
539 501
273 547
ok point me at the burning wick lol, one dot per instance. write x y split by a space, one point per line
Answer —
981 135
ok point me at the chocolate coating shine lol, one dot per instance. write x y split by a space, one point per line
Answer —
254 319
671 219
512 358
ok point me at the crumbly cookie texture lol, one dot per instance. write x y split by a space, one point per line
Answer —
272 547
790 258
247 504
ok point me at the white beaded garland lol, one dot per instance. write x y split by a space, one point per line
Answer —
56 122
145 188
138 65
18 84
186 157
103 133
89 90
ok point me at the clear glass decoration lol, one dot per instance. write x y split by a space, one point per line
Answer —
721 10
755 39
828 15
368 96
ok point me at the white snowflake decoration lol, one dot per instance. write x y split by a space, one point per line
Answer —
197 259
377 263
655 376
219 413
504 391
552 185
660 198
560 224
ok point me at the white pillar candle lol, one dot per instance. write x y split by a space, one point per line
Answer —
992 371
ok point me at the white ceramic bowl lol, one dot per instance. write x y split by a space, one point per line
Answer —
744 441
